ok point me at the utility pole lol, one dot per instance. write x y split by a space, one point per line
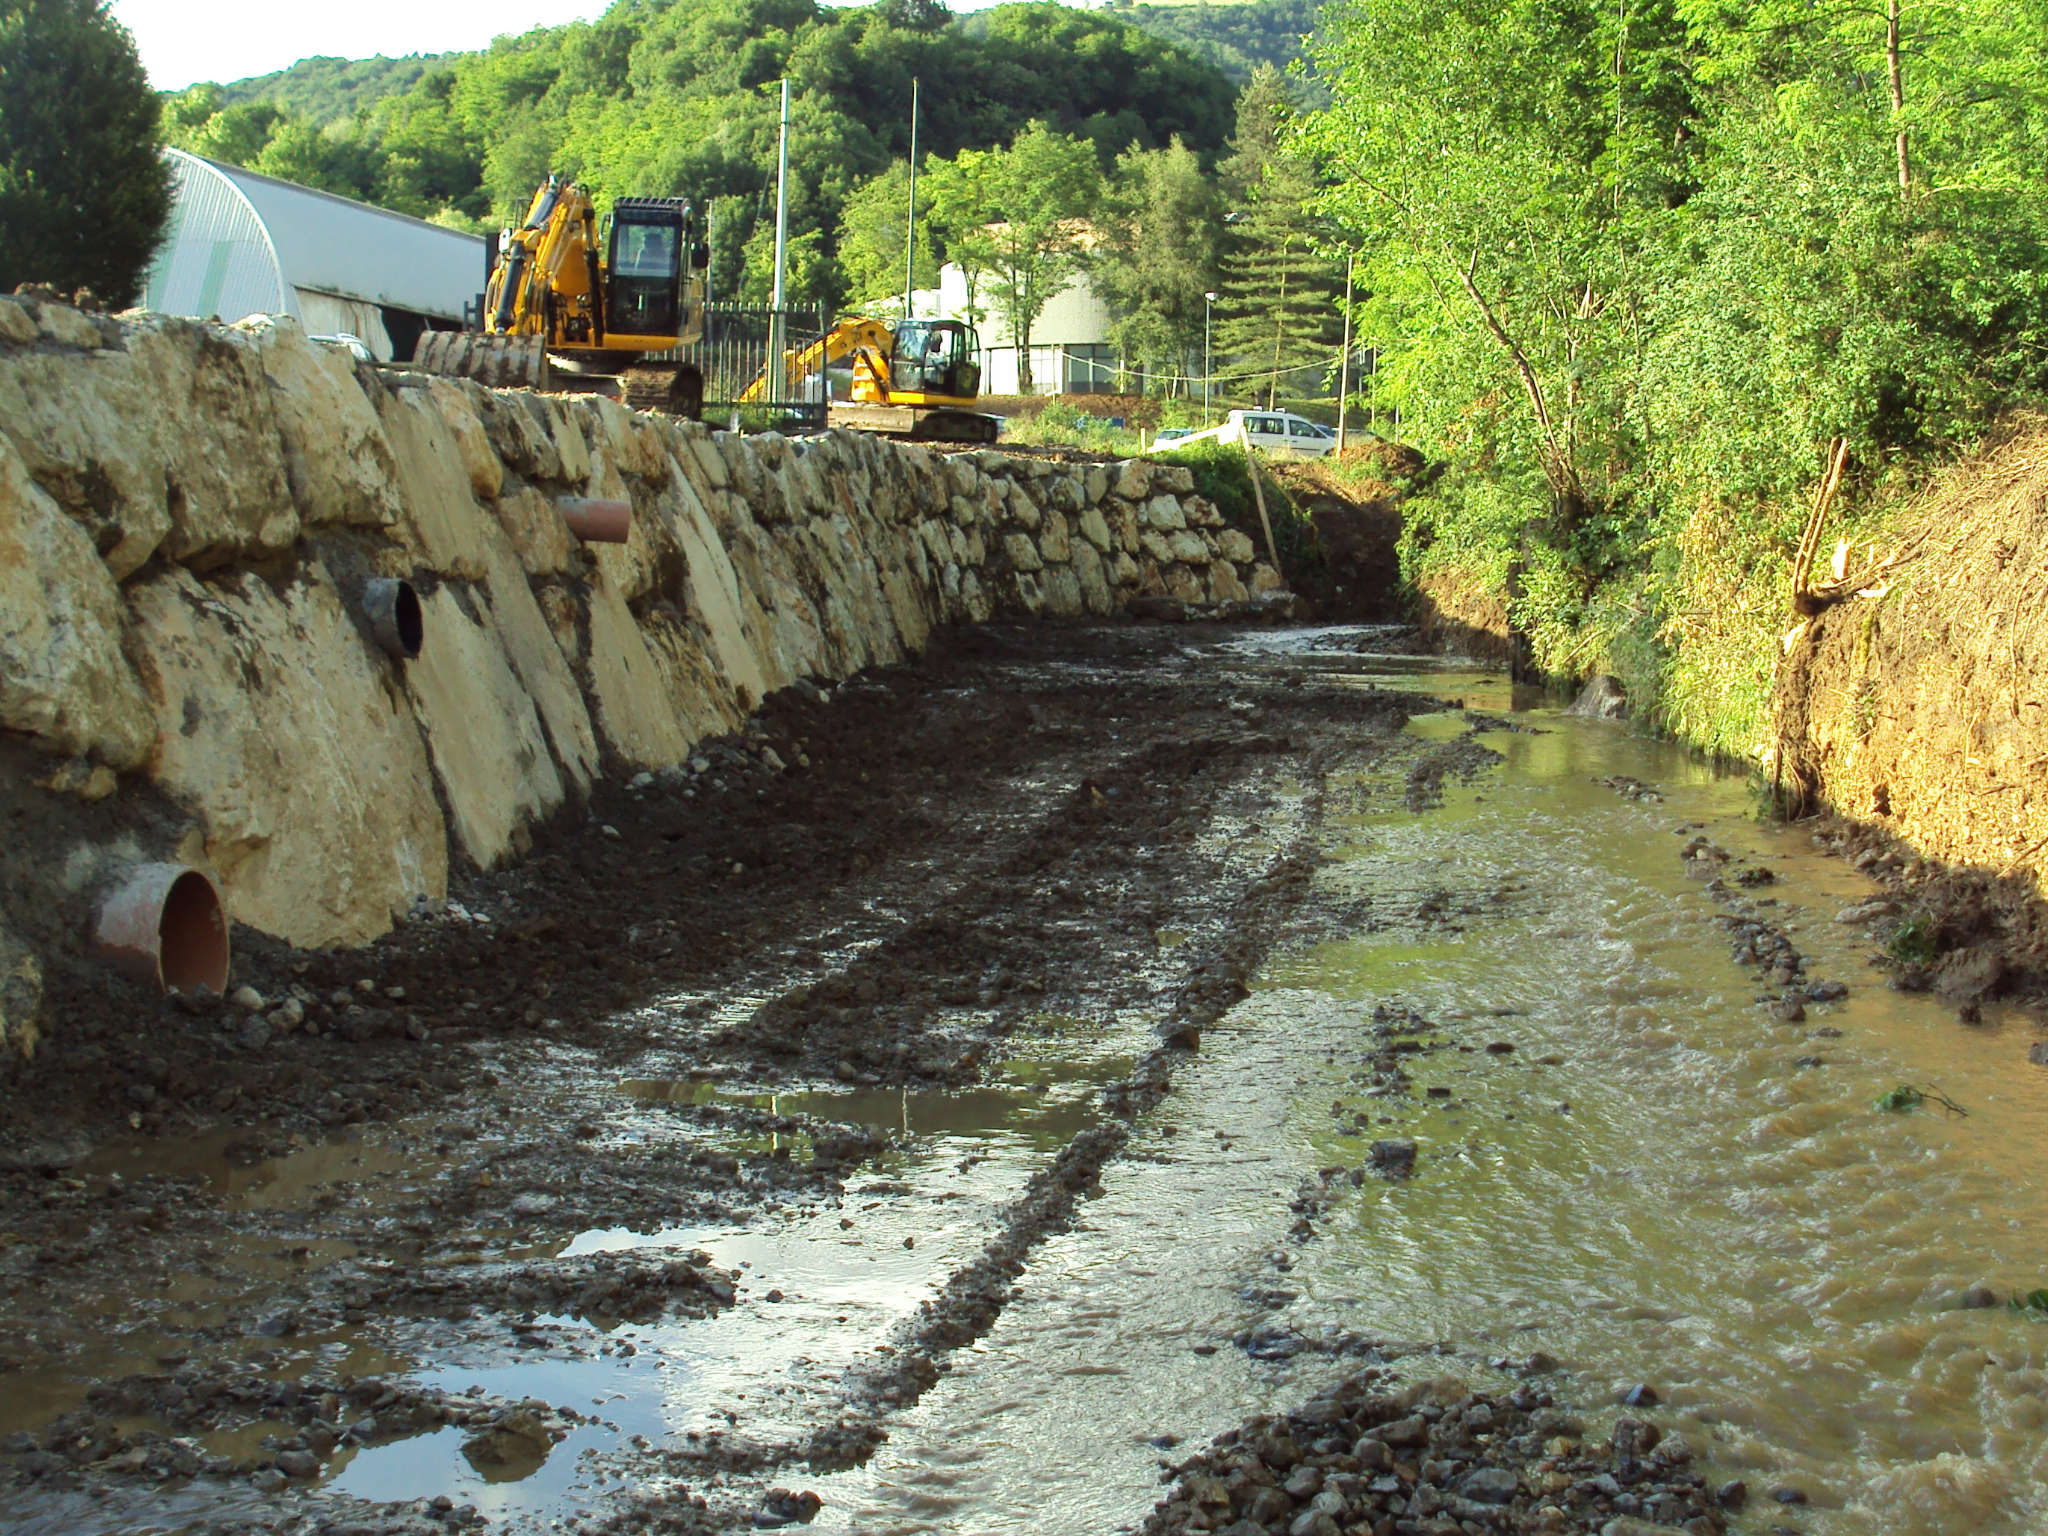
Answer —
1344 367
1208 366
777 326
910 229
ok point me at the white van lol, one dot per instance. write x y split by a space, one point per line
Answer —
1270 432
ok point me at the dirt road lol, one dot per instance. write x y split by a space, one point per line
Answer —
291 1260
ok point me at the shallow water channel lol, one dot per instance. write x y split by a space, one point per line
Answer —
1658 1184
1625 1162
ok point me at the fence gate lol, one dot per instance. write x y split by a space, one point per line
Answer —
738 344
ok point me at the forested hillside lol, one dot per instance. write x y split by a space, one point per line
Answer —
1234 37
679 99
325 89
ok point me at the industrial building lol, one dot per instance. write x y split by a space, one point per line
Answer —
240 244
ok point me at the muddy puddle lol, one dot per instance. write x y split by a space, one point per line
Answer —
1629 1165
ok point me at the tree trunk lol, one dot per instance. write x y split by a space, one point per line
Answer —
1560 468
1896 72
1024 380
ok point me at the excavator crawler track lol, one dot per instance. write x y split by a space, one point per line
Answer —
501 362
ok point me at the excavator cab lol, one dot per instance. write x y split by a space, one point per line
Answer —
935 357
645 284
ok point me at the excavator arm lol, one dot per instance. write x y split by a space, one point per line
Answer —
862 339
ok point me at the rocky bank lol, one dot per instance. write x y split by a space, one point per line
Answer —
190 514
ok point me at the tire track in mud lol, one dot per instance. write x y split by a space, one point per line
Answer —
1148 792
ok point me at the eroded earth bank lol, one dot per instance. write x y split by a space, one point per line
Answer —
1089 1079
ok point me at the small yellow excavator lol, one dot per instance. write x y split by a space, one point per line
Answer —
574 302
919 380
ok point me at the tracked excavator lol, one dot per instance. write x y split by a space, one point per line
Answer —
575 302
919 380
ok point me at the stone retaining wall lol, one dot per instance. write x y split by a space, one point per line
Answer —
188 513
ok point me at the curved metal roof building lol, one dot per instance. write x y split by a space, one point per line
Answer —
240 243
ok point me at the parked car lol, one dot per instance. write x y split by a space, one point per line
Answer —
1283 431
1166 435
1269 432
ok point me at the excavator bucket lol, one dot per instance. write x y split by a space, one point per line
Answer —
502 362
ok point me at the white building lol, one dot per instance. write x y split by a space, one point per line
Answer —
1070 348
241 244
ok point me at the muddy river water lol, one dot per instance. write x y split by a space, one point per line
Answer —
1628 1158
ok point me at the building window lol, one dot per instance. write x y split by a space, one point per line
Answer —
1090 369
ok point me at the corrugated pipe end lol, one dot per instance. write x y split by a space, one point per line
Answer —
596 521
393 609
163 925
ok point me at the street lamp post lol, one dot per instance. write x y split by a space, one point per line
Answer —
1208 369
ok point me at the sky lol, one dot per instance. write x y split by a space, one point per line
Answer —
185 41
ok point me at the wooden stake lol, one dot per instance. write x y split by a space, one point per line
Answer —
1809 541
1251 464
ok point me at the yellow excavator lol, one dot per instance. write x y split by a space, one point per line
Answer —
574 302
918 380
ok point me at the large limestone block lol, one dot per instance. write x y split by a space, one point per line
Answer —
63 680
703 453
1234 546
521 433
1164 513
1134 479
68 327
337 461
566 431
1224 586
490 753
290 740
1265 579
457 403
1191 548
442 529
1023 509
1157 548
1184 585
1177 479
727 615
217 439
541 539
542 669
1054 541
83 425
1023 554
632 441
17 322
963 474
628 687
1094 580
1063 596
1096 531
975 599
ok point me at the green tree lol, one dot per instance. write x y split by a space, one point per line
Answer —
1160 229
84 191
873 224
1278 317
959 194
1504 165
1030 204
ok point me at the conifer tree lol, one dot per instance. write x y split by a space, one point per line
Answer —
1279 311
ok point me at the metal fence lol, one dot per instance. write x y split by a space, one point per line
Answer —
739 343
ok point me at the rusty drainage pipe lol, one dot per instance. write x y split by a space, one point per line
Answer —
595 521
396 620
163 925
